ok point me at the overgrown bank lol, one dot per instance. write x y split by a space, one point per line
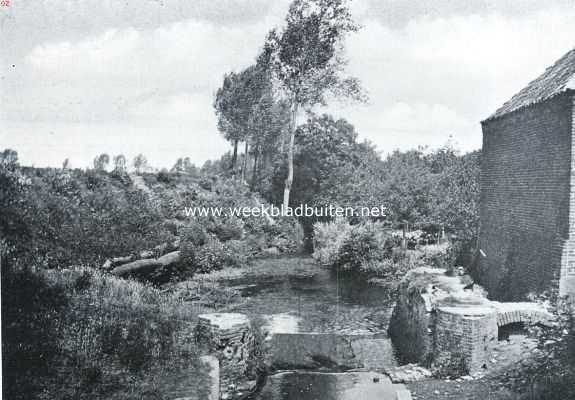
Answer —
74 332
81 334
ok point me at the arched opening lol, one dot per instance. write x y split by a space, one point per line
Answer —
511 331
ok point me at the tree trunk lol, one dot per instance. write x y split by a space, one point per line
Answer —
255 169
235 156
289 179
245 166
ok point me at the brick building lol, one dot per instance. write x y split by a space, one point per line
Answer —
527 234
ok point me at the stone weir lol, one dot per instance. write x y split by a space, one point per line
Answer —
448 323
345 363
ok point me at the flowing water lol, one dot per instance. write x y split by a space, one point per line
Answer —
324 301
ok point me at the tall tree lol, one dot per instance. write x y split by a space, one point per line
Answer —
238 107
101 162
270 119
8 157
307 58
140 163
229 112
120 164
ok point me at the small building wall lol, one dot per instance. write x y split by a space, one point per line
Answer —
525 199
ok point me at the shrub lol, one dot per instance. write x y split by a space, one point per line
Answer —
365 244
230 229
285 233
215 255
164 176
194 234
31 314
328 239
119 339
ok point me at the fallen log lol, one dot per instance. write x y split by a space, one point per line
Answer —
170 258
137 267
117 261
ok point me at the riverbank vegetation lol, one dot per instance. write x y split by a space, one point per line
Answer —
81 334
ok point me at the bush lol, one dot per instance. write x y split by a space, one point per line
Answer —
194 234
76 217
31 314
230 229
215 255
364 245
120 339
328 238
164 176
285 233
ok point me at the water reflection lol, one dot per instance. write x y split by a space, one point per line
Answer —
318 386
325 300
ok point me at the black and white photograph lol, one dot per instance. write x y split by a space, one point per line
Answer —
287 199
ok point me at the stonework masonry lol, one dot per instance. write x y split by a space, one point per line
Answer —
469 333
439 323
527 212
229 337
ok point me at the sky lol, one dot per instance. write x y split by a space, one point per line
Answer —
84 77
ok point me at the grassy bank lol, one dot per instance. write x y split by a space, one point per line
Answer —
79 334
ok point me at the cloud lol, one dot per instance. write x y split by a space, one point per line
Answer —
143 74
446 74
189 51
397 13
99 77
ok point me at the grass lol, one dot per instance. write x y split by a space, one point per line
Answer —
105 338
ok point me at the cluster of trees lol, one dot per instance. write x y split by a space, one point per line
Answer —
296 70
320 161
139 164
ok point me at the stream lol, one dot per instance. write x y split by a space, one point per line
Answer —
324 301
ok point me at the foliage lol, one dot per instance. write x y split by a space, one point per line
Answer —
81 334
456 195
120 164
328 238
140 163
325 147
31 313
247 111
365 244
307 55
184 166
232 228
164 176
306 58
101 162
56 218
551 370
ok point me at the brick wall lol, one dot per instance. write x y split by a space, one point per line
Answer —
567 275
525 198
469 336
